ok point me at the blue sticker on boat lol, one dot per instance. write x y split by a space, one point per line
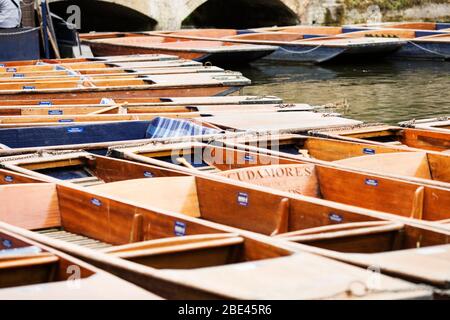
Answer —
368 151
180 228
65 120
18 75
55 112
29 88
2 65
148 174
75 130
335 217
107 101
9 179
242 199
7 243
249 158
45 103
372 182
59 68
96 202
11 69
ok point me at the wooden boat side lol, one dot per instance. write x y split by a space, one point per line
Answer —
166 283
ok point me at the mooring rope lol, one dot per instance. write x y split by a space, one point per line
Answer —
301 52
428 50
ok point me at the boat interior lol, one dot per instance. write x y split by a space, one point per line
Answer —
145 236
24 262
80 168
394 136
85 134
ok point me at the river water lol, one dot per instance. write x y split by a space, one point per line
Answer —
388 91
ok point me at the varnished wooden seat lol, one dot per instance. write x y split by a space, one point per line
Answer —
411 164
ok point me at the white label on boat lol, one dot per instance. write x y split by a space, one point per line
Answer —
148 174
96 202
29 88
242 199
249 158
11 69
107 101
372 182
2 65
45 103
7 243
75 130
55 112
9 179
369 151
180 228
335 217
431 251
65 120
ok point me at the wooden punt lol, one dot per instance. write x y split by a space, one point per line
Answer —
30 270
280 122
417 197
95 136
197 84
216 52
441 124
168 101
419 166
128 58
282 217
308 45
28 112
420 45
391 135
178 256
80 168
430 26
47 117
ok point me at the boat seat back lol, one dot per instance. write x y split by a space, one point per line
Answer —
30 206
183 253
161 127
295 178
76 134
411 164
176 194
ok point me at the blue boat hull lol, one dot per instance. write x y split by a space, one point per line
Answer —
19 44
422 50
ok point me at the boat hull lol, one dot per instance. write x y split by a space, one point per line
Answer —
19 44
322 53
126 93
424 50
217 57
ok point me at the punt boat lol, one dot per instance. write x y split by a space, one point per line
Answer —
190 84
178 256
419 44
307 45
97 136
115 59
50 116
167 101
216 52
391 136
28 112
284 217
429 26
441 124
30 270
416 198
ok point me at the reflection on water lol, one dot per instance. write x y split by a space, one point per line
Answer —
387 92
